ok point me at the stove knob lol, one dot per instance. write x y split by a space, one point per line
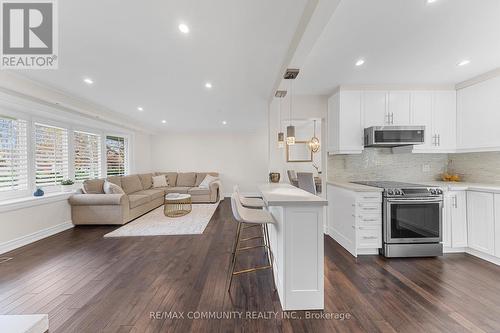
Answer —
439 191
433 191
390 192
398 192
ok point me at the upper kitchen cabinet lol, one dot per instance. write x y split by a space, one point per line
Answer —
375 108
478 117
398 111
436 110
345 127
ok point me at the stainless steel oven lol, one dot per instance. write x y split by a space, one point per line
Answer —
413 220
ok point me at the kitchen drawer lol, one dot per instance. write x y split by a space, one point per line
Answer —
371 208
369 219
368 197
369 237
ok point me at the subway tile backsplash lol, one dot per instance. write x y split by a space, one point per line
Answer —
382 164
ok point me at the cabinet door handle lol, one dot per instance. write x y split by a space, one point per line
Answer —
392 118
455 202
387 118
439 139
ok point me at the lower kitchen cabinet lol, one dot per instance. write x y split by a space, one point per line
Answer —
455 220
497 225
355 219
481 221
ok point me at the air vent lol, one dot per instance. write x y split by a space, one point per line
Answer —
280 93
291 73
4 259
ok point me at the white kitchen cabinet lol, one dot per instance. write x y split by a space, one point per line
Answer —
455 220
444 120
375 110
345 127
436 110
481 221
355 219
398 112
478 117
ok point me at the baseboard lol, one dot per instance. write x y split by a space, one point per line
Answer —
484 256
25 240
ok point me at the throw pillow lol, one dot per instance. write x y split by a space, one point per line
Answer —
207 181
110 188
160 181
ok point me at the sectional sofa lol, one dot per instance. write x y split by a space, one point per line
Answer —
96 207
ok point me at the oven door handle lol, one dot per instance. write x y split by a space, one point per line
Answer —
415 200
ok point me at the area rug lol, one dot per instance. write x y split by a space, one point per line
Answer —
155 223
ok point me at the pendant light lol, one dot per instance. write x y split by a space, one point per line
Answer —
290 129
314 142
281 136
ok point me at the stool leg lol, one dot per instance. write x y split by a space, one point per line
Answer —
233 259
270 255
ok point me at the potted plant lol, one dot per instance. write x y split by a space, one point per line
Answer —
67 185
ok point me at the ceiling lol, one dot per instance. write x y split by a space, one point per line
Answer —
406 42
136 56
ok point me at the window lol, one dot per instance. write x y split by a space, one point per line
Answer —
13 154
51 155
87 148
115 156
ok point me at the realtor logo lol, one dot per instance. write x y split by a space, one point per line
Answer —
29 34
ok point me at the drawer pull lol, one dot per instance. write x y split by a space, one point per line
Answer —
369 220
370 208
370 237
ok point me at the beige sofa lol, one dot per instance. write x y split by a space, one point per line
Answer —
96 207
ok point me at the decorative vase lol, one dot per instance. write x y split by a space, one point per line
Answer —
39 192
274 177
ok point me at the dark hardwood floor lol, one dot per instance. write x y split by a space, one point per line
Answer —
90 284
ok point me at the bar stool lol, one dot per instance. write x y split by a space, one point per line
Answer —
246 217
249 202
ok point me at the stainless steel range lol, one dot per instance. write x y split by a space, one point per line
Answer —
412 218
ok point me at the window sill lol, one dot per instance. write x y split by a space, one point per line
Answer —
19 203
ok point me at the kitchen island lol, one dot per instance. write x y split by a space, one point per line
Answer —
297 245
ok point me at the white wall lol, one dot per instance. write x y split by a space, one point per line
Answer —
305 108
240 157
141 153
22 226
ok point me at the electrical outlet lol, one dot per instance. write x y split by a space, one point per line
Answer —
426 168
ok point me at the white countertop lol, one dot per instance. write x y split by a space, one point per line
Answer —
281 194
354 187
446 186
464 186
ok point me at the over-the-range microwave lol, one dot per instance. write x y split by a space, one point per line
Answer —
394 136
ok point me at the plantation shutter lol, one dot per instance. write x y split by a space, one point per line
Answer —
87 148
51 155
13 154
115 156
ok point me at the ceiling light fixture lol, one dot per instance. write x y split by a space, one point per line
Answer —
360 62
314 144
281 136
163 121
208 85
140 108
224 122
183 28
431 1
290 129
88 80
463 62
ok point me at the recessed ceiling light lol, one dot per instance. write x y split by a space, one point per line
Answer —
183 28
224 122
208 85
88 80
463 62
360 62
140 108
163 121
431 1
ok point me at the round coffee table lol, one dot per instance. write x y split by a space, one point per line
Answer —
177 205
